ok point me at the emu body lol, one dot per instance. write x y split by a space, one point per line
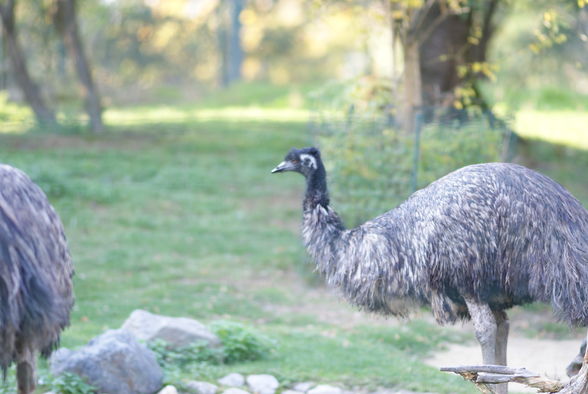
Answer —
470 245
35 276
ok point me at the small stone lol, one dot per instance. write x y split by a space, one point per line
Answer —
304 386
325 389
292 392
390 391
262 384
232 380
235 391
168 390
202 387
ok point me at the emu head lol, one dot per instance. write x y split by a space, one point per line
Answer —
305 161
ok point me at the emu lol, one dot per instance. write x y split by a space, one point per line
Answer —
36 272
470 245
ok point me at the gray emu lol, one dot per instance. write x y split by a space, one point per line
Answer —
35 276
470 245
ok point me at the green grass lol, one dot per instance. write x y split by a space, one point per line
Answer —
174 210
179 215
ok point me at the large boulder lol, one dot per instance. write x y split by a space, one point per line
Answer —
177 332
114 362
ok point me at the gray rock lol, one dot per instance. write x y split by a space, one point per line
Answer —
304 386
232 380
325 389
201 387
390 391
168 390
176 331
262 384
292 392
235 391
114 362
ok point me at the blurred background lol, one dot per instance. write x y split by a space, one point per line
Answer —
152 126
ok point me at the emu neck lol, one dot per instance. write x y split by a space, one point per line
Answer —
316 190
321 227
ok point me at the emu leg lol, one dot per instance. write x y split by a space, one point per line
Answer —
502 327
486 329
25 372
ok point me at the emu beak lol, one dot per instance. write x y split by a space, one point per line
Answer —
283 166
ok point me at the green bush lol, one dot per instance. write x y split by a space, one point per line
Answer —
198 352
372 166
241 343
371 163
70 383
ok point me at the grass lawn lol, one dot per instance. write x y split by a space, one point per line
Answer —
174 210
182 217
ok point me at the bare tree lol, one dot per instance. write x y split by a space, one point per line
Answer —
65 21
31 92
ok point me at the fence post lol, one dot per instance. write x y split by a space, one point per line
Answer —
418 124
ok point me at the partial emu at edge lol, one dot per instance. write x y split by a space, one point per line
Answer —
36 272
470 245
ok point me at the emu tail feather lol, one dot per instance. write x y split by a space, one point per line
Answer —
569 296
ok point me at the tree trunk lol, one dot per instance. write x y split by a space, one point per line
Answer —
413 99
65 20
223 51
451 44
32 95
436 42
229 40
235 47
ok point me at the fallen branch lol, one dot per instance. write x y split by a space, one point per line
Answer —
482 375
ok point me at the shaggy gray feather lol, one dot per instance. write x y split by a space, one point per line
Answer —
35 270
496 233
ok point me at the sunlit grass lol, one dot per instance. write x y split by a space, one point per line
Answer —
569 128
167 114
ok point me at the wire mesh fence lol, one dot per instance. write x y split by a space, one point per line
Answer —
373 165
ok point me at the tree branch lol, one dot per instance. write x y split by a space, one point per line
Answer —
495 374
420 16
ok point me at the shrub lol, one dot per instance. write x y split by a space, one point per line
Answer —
371 163
241 343
70 383
198 352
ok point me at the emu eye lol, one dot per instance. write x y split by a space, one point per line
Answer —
295 161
